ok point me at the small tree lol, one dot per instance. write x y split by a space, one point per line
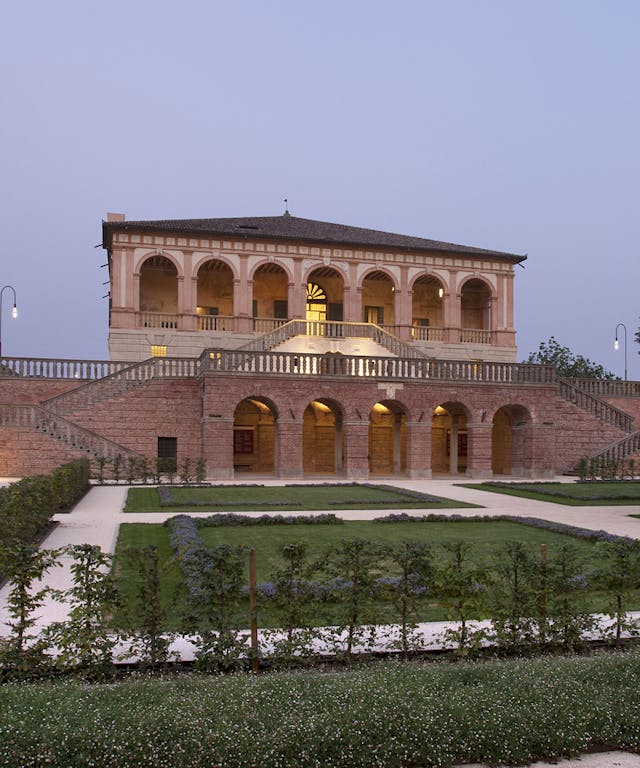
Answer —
22 653
147 612
293 601
511 597
353 569
212 606
619 574
461 585
117 465
83 641
415 581
567 363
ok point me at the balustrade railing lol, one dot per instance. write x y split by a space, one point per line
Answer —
68 432
157 320
427 333
49 368
621 449
608 388
225 323
599 408
475 336
295 363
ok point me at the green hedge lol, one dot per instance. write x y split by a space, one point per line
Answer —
26 507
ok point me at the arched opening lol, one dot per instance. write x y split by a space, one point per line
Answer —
427 309
378 305
214 298
387 438
449 439
322 438
325 295
254 436
270 304
159 293
511 441
475 309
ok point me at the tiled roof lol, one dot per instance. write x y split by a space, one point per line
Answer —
289 227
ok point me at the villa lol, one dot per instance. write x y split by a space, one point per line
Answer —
291 347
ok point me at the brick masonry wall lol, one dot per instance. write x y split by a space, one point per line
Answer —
200 414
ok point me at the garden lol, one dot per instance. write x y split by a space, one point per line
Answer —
590 493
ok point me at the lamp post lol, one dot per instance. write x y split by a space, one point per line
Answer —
616 345
14 311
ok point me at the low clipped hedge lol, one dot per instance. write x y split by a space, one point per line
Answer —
26 507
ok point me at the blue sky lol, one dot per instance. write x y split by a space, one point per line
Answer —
510 125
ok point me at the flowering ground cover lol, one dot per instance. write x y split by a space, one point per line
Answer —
238 498
487 537
597 493
386 715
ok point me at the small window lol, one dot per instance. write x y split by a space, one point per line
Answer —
168 453
158 350
243 441
280 309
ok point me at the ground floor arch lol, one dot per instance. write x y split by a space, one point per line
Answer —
322 438
387 438
511 441
254 436
449 439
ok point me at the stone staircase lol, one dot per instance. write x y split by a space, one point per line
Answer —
61 429
334 330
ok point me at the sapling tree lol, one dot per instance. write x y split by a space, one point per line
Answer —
23 653
619 573
212 606
147 613
116 467
293 603
511 596
567 618
353 568
84 641
413 560
461 585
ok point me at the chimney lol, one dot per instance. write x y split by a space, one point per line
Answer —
115 217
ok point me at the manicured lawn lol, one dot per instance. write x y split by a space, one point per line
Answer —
385 715
486 537
285 498
599 493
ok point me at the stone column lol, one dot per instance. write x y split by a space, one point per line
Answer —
289 448
479 449
419 448
356 449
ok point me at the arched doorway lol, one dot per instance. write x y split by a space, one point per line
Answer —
378 300
475 311
387 438
322 438
254 436
270 301
511 441
427 309
449 439
325 295
159 292
214 301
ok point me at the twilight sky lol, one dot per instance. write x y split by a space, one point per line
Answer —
506 125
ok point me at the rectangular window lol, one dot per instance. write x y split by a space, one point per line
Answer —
280 309
334 311
374 315
243 440
168 453
158 350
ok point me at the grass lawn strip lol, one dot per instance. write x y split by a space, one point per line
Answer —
386 715
286 497
622 493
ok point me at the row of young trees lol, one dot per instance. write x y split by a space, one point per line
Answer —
533 601
134 469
